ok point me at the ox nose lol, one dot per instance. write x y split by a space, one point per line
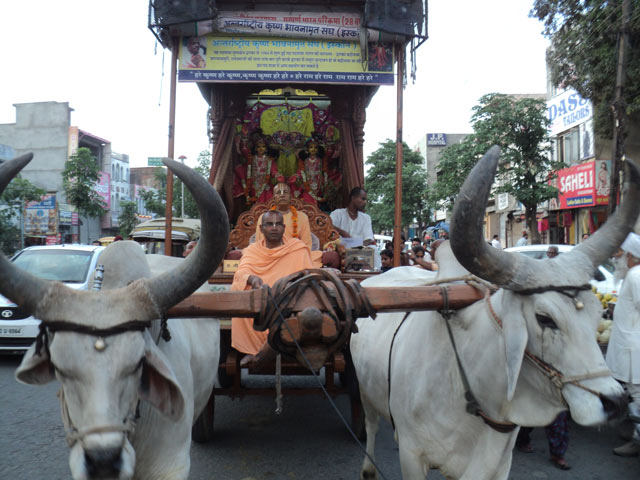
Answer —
103 462
615 407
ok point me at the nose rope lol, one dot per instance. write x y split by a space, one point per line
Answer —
74 435
557 378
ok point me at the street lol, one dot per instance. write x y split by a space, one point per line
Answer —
253 443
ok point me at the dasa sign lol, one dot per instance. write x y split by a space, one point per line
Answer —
568 110
437 139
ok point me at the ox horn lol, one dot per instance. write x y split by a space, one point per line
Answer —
604 243
172 287
467 241
19 286
519 272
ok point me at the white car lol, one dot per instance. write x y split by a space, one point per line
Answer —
602 279
70 264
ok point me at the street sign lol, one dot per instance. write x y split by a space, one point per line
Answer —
155 162
6 152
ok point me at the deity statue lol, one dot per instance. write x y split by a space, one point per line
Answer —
254 179
316 182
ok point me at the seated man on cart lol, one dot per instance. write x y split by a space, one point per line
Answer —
265 261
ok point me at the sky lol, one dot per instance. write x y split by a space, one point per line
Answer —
99 56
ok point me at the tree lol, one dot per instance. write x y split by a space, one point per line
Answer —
155 201
594 49
519 127
12 203
455 163
380 183
127 218
584 37
81 172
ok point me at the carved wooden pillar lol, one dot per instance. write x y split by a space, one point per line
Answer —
216 114
359 115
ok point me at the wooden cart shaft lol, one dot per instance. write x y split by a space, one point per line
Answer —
251 303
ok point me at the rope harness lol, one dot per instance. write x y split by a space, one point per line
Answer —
343 304
557 378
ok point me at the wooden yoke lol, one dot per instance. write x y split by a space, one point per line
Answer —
319 313
250 303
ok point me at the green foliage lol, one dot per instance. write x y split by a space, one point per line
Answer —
12 201
519 128
127 218
81 172
455 163
583 55
155 201
380 184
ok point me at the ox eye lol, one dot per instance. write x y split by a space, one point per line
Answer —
546 322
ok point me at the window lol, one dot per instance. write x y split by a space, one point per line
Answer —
566 147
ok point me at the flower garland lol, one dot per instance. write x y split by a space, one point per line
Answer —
294 220
305 182
246 183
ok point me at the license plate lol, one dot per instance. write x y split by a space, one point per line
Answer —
11 331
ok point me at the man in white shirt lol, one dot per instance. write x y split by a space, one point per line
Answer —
523 240
623 350
352 222
495 242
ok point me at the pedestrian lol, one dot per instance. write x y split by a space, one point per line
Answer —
585 236
117 238
386 259
496 242
552 251
189 248
557 437
415 242
524 240
623 350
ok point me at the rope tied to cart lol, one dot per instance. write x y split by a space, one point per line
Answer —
342 303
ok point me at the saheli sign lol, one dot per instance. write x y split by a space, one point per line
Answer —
568 110
584 185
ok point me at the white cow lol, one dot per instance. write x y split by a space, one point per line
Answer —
544 307
129 394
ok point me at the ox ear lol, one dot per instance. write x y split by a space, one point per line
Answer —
158 384
514 332
35 369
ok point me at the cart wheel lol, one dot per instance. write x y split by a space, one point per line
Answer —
224 379
202 430
353 389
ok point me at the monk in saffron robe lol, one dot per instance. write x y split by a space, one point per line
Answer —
296 223
264 262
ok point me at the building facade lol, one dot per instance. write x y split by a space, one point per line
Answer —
45 129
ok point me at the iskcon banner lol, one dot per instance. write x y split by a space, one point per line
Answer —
237 58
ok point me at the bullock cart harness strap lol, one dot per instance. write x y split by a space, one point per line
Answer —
473 406
557 378
73 434
51 327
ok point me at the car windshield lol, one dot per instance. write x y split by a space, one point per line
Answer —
63 265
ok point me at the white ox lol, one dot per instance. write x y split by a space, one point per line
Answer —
128 396
539 311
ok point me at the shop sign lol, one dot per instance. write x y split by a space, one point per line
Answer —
103 188
41 218
437 139
244 58
584 185
568 110
65 214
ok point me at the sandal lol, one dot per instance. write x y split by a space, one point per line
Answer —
560 463
526 448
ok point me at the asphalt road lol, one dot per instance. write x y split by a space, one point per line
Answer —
307 441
